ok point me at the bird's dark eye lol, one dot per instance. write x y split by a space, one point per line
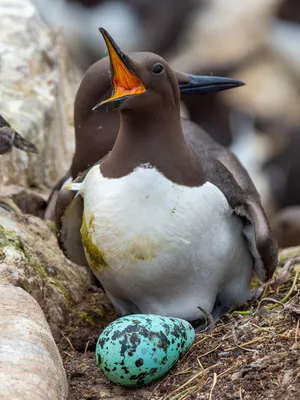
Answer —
157 69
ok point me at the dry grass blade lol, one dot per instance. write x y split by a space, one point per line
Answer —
86 347
213 386
243 345
209 352
190 381
69 342
288 295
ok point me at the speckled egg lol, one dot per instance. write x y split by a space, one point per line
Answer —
137 349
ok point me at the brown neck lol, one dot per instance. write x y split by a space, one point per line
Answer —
154 138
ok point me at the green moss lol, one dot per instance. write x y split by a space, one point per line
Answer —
84 317
95 255
33 261
63 290
10 238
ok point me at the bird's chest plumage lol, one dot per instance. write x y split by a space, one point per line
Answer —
144 227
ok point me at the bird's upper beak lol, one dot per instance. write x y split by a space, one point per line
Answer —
125 82
201 84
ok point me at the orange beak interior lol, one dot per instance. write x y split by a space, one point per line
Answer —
124 81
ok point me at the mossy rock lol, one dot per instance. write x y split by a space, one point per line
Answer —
31 259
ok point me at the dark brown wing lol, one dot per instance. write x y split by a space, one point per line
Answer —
52 199
263 244
68 218
204 145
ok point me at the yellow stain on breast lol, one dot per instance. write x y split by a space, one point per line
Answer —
94 253
142 248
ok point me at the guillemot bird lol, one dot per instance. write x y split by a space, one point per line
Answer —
96 132
163 224
9 138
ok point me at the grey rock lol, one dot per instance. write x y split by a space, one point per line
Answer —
30 364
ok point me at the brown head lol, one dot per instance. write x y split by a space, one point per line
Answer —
139 84
145 92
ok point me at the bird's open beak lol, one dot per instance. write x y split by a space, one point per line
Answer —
125 82
200 84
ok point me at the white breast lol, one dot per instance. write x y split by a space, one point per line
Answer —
167 248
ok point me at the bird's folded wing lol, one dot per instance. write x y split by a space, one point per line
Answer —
68 214
261 242
68 218
246 204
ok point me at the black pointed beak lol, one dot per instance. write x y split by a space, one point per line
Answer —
200 84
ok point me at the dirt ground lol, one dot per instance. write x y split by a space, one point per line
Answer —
252 353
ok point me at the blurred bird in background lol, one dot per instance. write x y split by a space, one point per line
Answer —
257 42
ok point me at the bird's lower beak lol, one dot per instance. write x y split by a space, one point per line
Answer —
125 82
200 84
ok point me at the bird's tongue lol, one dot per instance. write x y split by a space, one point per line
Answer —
124 81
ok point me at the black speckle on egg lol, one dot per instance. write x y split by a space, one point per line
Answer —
134 339
102 342
183 334
116 335
126 370
129 339
98 359
176 327
153 370
163 341
164 360
139 378
139 362
167 328
107 369
123 346
154 349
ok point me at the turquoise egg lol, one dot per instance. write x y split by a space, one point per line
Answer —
137 349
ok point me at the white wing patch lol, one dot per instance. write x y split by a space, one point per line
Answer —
75 186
